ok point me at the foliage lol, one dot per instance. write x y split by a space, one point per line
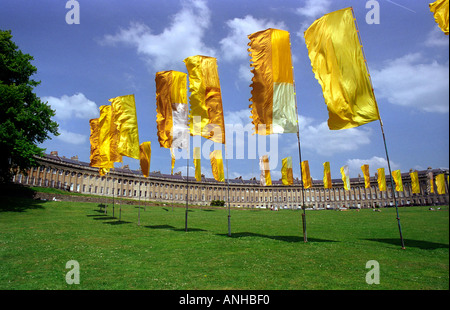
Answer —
217 203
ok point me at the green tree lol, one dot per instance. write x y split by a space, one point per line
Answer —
25 121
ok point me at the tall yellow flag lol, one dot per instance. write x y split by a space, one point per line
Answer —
345 177
306 176
124 111
365 170
108 138
197 164
338 64
381 180
440 10
217 165
95 159
145 154
440 184
415 182
273 97
326 175
287 176
397 175
206 114
430 187
265 170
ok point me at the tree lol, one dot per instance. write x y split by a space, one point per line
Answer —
25 121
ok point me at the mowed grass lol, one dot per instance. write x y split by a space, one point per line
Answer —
265 252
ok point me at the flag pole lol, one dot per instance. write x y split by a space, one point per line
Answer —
383 135
228 192
187 194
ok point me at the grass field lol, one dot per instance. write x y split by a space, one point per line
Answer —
266 249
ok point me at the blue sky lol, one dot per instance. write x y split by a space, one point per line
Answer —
118 46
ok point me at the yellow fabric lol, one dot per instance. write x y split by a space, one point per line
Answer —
365 170
439 9
338 64
430 182
327 183
273 98
381 180
415 182
124 111
217 165
265 170
172 155
397 175
287 176
95 159
108 136
197 164
440 184
145 154
205 98
306 176
345 177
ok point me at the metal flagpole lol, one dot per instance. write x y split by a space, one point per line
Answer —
113 189
139 206
228 192
187 194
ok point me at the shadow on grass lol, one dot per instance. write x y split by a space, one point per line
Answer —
117 222
424 245
169 227
18 198
280 238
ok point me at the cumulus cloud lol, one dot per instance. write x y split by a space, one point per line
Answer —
354 165
436 38
312 10
76 106
71 137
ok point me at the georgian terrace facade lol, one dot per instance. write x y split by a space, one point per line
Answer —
76 176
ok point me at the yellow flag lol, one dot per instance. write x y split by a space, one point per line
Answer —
172 155
273 97
430 187
124 111
365 170
265 170
197 164
306 176
108 136
415 182
440 184
397 175
381 180
145 154
217 165
172 109
338 64
95 158
287 176
206 114
439 9
345 177
326 175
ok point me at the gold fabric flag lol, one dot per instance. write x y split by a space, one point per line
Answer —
306 176
95 158
273 98
197 164
365 170
345 177
124 111
338 64
145 154
287 176
265 170
430 187
381 180
206 114
217 165
439 9
440 184
415 182
397 175
108 136
172 155
327 175
172 109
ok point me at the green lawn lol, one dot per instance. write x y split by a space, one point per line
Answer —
266 250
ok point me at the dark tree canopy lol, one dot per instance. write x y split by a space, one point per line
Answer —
25 121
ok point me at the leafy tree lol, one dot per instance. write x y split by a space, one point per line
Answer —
25 120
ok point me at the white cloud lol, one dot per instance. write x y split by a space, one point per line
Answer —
71 137
76 106
183 37
436 38
354 165
312 10
410 81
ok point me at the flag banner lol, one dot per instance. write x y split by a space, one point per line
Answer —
124 111
287 176
108 136
95 158
145 154
326 175
197 164
415 182
265 170
365 170
397 175
172 109
273 97
306 176
430 185
440 184
381 180
345 177
172 155
206 114
439 9
338 64
217 165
